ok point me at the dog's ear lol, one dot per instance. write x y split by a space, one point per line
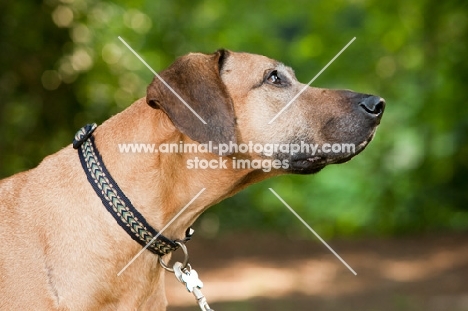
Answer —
196 79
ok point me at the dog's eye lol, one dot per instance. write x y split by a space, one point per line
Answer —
273 77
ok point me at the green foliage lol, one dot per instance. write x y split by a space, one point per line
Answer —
62 66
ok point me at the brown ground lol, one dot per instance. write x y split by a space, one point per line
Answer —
251 272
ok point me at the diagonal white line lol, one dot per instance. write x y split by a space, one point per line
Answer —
160 232
161 79
312 230
313 79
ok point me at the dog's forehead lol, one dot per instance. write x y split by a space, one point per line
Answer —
253 65
249 61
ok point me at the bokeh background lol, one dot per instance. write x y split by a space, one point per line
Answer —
62 66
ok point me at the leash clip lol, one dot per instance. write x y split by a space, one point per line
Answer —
189 277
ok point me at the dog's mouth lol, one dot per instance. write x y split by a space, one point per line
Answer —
304 164
301 163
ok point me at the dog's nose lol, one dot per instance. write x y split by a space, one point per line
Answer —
373 105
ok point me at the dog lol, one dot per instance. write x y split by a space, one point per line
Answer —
61 246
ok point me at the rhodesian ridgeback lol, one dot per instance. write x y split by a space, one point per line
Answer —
62 244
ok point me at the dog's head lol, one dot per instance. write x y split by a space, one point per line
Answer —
241 97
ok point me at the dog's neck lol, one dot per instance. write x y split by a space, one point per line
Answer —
147 180
144 177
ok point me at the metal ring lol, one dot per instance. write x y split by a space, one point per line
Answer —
184 263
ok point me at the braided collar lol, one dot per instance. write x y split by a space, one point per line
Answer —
114 199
